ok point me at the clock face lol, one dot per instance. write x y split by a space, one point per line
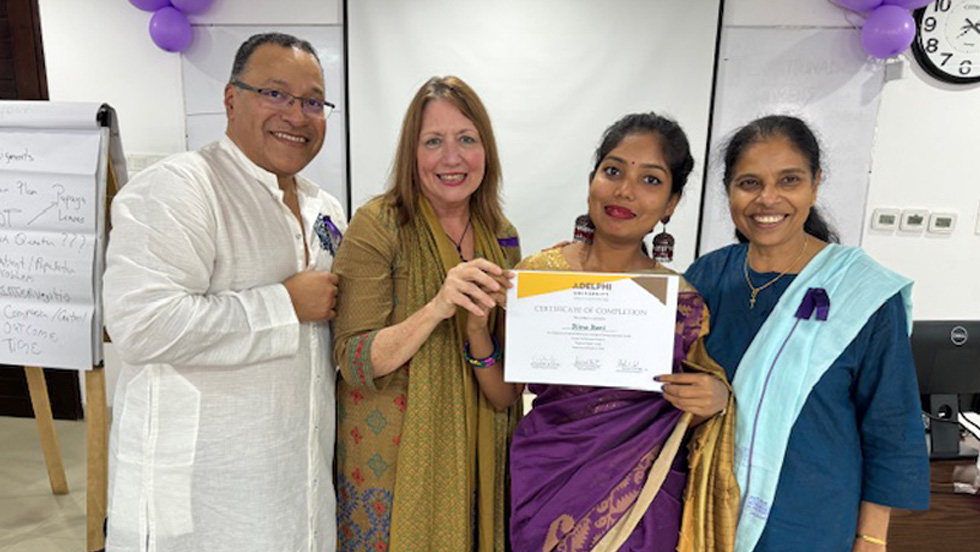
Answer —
947 42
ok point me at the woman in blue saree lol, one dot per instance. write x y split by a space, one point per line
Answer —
814 337
602 468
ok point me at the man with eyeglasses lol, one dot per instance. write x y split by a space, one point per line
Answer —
217 297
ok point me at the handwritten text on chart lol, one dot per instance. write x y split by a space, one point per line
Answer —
28 329
48 243
45 296
34 330
25 204
22 156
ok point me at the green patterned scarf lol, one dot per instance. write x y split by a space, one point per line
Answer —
454 443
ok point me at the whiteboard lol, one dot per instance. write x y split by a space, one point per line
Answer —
53 167
553 75
820 75
206 66
263 12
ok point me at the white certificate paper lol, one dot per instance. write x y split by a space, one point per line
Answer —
599 329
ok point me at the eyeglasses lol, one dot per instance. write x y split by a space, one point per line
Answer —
311 107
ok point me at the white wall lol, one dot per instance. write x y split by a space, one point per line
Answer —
924 156
788 13
101 51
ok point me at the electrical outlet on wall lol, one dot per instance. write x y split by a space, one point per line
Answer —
914 220
885 220
942 223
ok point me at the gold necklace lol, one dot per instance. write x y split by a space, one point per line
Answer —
756 290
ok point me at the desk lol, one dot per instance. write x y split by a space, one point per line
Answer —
952 523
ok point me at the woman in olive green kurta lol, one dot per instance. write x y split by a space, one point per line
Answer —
410 430
368 431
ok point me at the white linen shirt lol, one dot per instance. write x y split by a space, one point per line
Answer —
223 424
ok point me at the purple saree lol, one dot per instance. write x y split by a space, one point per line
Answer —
581 456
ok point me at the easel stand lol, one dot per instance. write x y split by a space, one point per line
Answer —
97 430
97 441
45 426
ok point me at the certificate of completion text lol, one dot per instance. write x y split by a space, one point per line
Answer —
600 329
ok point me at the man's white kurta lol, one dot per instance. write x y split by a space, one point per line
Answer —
223 422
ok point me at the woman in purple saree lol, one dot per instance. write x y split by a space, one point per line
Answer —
604 468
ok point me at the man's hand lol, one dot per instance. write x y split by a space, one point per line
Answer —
314 295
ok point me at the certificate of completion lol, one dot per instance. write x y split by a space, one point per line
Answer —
589 328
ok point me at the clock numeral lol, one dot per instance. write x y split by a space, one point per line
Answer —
932 45
929 24
943 5
966 67
948 56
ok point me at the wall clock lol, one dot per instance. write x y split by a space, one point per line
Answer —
947 40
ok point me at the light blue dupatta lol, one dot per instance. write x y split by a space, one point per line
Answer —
844 287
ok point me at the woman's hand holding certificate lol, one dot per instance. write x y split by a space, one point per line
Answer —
600 329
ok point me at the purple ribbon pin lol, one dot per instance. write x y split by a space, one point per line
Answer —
330 236
508 242
815 299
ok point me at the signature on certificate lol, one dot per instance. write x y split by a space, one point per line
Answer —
587 364
544 362
628 366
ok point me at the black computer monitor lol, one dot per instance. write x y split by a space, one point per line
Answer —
947 362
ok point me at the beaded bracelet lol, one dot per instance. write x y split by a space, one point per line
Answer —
480 363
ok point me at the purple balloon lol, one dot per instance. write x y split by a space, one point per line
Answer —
859 5
150 5
909 4
191 6
888 31
170 30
